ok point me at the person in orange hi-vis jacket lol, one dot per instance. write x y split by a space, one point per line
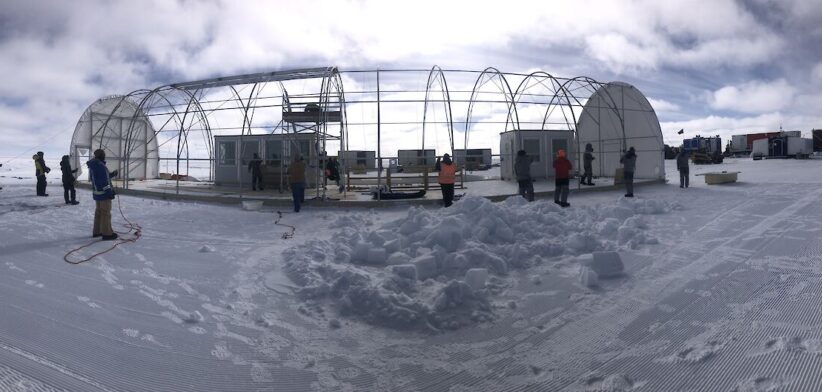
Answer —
446 178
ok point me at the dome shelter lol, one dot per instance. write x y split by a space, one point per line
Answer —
615 118
121 129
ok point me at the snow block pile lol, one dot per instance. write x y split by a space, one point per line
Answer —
436 269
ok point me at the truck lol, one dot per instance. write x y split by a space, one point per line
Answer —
704 150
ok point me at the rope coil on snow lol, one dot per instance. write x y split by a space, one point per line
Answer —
132 227
288 234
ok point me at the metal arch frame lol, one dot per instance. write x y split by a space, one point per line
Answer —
332 82
599 87
182 135
140 110
564 94
509 99
436 75
596 86
557 86
126 142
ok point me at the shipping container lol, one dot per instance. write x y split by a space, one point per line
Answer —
473 158
739 144
359 159
782 147
417 158
800 147
541 146
757 136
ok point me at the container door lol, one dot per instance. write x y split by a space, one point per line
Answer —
534 149
247 151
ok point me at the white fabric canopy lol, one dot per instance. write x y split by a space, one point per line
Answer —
616 117
117 126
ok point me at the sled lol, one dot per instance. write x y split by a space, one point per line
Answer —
397 195
719 178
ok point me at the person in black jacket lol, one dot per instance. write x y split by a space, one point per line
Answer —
254 166
332 172
40 169
588 165
68 181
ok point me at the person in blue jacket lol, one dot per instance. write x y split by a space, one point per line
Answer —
103 194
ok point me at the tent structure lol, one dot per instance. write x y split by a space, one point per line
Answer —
149 129
121 129
616 117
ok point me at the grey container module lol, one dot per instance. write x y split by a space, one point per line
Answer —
234 153
540 145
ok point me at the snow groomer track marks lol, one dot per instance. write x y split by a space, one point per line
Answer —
720 292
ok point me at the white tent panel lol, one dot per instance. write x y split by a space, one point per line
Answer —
616 117
124 132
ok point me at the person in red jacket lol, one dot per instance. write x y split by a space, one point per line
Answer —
562 170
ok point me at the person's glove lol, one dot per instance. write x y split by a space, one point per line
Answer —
114 173
48 170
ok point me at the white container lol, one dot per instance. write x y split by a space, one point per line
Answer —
252 205
720 178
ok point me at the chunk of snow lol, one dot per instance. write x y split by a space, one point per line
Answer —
398 258
206 249
406 271
587 277
606 264
476 278
376 256
426 266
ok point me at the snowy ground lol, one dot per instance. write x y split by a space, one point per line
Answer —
721 292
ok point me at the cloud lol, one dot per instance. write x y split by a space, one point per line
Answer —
816 74
755 96
726 126
661 105
61 56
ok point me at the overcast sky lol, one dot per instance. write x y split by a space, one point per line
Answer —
711 67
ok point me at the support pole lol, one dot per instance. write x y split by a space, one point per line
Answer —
379 151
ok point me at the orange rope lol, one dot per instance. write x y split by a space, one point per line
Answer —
131 227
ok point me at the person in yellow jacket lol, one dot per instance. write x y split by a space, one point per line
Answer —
446 178
40 171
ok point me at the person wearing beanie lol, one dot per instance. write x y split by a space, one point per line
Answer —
103 193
